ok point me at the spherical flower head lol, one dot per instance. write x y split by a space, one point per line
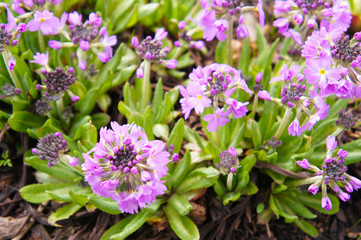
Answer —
51 148
59 80
229 162
127 167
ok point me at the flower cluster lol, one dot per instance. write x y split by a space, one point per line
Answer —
216 81
229 162
9 91
151 49
85 36
56 82
20 6
333 63
293 96
53 148
218 15
185 39
9 34
332 174
347 119
127 167
307 14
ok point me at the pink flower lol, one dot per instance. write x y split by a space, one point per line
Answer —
217 119
304 164
41 58
326 203
171 64
45 21
294 128
263 94
193 97
124 157
239 109
11 64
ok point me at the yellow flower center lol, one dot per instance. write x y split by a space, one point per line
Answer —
199 97
322 71
42 20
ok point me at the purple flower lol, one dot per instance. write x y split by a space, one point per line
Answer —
218 119
239 109
41 58
127 167
287 74
11 64
326 203
263 94
193 97
54 44
171 64
332 173
45 21
294 128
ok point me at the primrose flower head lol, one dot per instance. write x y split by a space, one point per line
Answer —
56 82
229 162
127 167
9 91
51 148
332 174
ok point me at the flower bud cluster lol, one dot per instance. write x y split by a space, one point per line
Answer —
308 14
185 39
346 119
42 106
229 162
51 148
333 174
217 15
152 50
85 35
9 91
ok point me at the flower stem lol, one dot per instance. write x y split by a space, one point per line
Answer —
229 42
300 182
7 55
229 181
145 86
283 123
41 41
255 102
337 131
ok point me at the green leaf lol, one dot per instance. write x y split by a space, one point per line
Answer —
181 205
198 178
104 101
127 226
107 205
306 227
231 196
256 134
80 195
148 123
268 119
183 226
19 121
147 9
245 56
221 52
86 105
36 193
297 207
63 213
176 136
182 167
100 120
161 130
314 201
62 194
59 171
47 128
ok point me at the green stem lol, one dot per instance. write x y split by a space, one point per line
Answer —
145 86
7 55
283 123
337 131
255 102
229 181
302 181
41 41
60 107
229 42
